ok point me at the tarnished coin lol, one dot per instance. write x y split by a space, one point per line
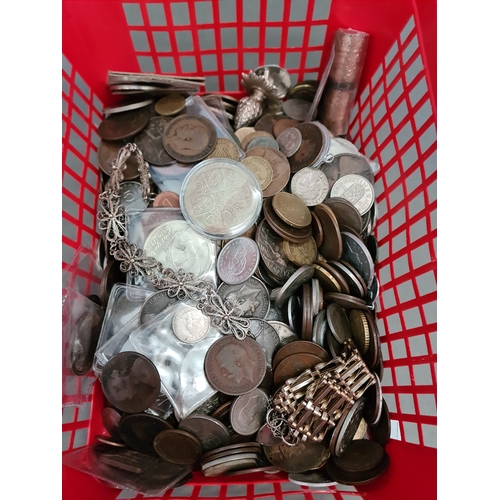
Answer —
287 232
361 431
361 455
130 382
293 308
277 77
271 252
360 330
279 165
242 132
312 479
154 305
357 190
266 437
224 148
331 248
346 301
210 432
310 148
292 366
310 185
150 142
303 457
139 431
373 356
83 342
296 280
177 246
111 420
131 195
235 367
356 285
107 153
239 462
298 109
266 336
320 330
291 209
111 441
129 106
238 260
222 412
220 198
317 296
267 142
307 313
123 125
190 325
231 448
346 213
170 105
338 323
327 280
267 121
381 432
301 346
261 168
112 274
167 199
373 405
354 252
317 228
189 138
282 125
348 427
248 412
289 141
250 296
274 314
352 163
178 447
285 333
245 142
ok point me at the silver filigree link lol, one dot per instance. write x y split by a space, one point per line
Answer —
112 218
180 284
133 259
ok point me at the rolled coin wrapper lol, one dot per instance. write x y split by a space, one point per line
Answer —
340 91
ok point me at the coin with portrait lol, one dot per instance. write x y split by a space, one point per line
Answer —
251 297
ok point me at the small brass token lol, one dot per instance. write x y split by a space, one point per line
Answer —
301 254
261 168
224 148
360 330
170 105
291 209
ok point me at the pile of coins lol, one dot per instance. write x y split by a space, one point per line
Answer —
297 371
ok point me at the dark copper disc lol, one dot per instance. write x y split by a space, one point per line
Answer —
334 346
210 431
310 148
247 447
231 447
356 285
287 232
346 213
266 122
178 447
302 457
307 313
317 229
327 280
346 301
107 151
374 354
235 367
299 347
381 433
166 199
248 412
292 366
332 244
111 420
373 406
83 342
356 478
331 268
222 413
362 455
139 431
266 437
282 125
123 125
111 276
338 323
189 138
150 142
360 330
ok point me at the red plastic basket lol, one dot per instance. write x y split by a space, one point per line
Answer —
393 121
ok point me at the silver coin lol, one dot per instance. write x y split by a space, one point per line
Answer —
310 185
313 479
268 142
274 314
362 428
354 252
297 109
248 412
238 260
320 329
372 294
349 426
211 433
127 107
274 293
355 189
289 141
154 305
221 198
293 307
251 297
285 333
296 280
315 296
177 246
276 76
267 337
190 325
131 195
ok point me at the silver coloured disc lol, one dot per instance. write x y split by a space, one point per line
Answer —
238 260
285 333
266 336
190 325
355 189
131 195
251 297
310 185
127 107
296 280
289 141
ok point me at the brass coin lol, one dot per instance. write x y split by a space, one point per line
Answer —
287 232
332 244
224 148
328 282
360 330
242 132
280 126
300 346
247 139
338 323
331 268
291 209
305 456
178 447
170 105
292 366
107 152
346 301
261 168
357 287
373 356
123 125
189 138
301 254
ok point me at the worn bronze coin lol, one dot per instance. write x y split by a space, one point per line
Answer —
231 448
111 276
287 232
356 478
373 355
317 229
307 313
331 268
346 213
285 333
167 199
291 210
154 305
328 282
349 427
266 337
189 138
114 441
346 301
373 406
170 105
242 462
222 412
178 447
350 163
338 323
310 148
292 366
298 347
355 252
267 121
123 125
248 412
130 382
331 248
280 126
83 342
107 152
334 346
352 279
225 148
250 297
360 330
254 135
150 142
247 447
261 168
280 166
298 278
381 432
139 431
211 432
303 457
235 367
266 437
111 420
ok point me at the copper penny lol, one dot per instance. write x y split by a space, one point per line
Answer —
301 254
235 367
261 168
332 244
291 210
307 313
317 228
178 447
222 412
299 347
310 148
381 432
150 142
346 213
292 366
338 323
211 432
267 122
331 268
280 166
111 420
303 457
107 153
123 125
356 285
130 382
328 282
287 232
345 301
167 199
280 126
248 412
189 138
139 431
360 330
